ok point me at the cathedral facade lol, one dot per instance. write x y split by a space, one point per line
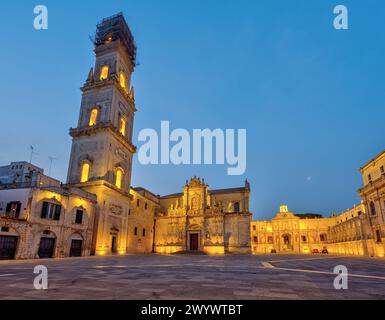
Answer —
200 219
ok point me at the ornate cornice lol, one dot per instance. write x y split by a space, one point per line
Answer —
103 127
102 183
112 81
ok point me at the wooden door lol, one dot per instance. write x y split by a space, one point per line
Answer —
194 242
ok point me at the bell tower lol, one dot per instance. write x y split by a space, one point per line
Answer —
102 149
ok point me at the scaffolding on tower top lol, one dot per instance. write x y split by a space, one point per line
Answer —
115 28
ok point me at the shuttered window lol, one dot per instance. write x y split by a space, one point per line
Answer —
79 216
13 209
51 211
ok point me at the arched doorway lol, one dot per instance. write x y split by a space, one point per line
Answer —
287 242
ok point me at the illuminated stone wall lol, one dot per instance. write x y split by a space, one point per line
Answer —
30 227
349 233
287 233
144 206
373 196
219 219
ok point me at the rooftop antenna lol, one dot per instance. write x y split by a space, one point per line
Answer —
32 154
51 160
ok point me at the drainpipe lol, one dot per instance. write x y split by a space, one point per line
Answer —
153 235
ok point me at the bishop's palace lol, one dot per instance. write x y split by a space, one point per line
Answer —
97 212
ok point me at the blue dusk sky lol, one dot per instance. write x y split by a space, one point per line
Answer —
311 97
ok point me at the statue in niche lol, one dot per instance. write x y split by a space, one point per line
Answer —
194 203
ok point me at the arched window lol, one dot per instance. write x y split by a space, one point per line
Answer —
123 81
122 126
93 117
104 73
119 178
372 209
85 172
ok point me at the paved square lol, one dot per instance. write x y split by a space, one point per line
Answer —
195 277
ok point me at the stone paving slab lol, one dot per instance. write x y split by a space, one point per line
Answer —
157 277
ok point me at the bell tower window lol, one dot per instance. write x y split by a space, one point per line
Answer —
123 81
104 73
119 178
93 117
122 126
85 172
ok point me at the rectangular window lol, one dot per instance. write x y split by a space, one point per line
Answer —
254 228
378 236
51 211
146 206
255 239
13 209
57 212
138 203
369 177
144 232
382 169
236 207
303 239
79 216
135 231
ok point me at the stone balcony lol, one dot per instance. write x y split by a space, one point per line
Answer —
372 185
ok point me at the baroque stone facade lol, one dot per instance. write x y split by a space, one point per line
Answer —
200 219
288 233
373 195
350 233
